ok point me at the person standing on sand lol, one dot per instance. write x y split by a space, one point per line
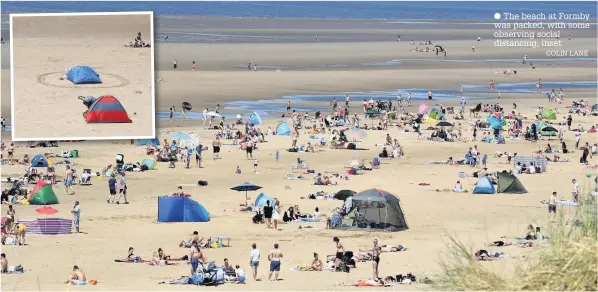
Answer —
216 144
340 252
249 67
288 106
204 117
268 211
68 181
122 189
194 256
171 113
193 66
165 37
552 207
174 63
575 191
276 213
375 259
274 257
112 188
347 99
76 215
254 260
430 94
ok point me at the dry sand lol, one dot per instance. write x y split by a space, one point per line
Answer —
432 216
45 47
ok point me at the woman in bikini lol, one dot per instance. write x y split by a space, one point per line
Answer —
340 252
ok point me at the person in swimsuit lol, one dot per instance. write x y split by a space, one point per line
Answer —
552 207
316 264
4 263
77 277
340 252
68 181
375 258
216 146
194 256
274 257
11 151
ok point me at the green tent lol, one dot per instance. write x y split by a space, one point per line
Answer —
509 184
548 114
545 129
42 194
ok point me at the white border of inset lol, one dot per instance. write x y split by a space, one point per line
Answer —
12 79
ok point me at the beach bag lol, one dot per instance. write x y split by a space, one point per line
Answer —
202 183
219 279
197 279
144 167
351 146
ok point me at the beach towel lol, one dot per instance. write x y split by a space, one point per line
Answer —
132 260
368 283
18 269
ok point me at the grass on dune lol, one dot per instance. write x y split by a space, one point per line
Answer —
567 263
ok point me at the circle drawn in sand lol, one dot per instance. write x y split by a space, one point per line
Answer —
108 81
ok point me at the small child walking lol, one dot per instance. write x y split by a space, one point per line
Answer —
255 162
277 156
484 160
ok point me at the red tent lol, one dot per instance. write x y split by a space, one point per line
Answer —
107 109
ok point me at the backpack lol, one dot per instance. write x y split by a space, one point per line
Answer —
202 183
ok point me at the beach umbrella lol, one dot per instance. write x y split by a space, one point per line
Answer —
344 194
46 210
423 108
444 124
246 187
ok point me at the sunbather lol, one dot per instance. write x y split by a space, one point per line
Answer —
77 277
316 264
484 255
193 239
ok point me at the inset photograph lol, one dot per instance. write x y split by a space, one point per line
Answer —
82 76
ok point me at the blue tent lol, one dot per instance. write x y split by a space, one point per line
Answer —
83 75
494 123
255 119
154 142
484 186
260 201
283 129
181 209
180 135
39 161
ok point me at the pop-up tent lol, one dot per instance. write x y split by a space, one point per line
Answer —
149 162
283 129
261 200
39 161
375 210
181 209
436 113
42 194
143 142
107 109
484 186
548 114
509 184
595 109
255 119
83 75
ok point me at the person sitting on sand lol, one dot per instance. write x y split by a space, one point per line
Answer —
458 187
531 233
499 243
316 264
132 257
240 274
192 240
77 277
162 255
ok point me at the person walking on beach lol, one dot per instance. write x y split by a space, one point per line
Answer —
198 157
171 113
288 106
68 181
254 260
122 189
193 66
376 259
216 144
552 207
76 215
112 188
204 117
430 94
174 63
249 67
268 210
575 191
274 257
347 99
183 113
409 98
491 86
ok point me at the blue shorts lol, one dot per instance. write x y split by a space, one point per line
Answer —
194 264
274 266
254 263
78 282
68 182
241 279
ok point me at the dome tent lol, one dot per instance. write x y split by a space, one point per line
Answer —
42 194
375 210
255 119
83 75
484 186
548 114
509 184
261 200
283 129
107 109
181 209
39 161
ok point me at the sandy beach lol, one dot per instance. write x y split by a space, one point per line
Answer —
96 41
221 77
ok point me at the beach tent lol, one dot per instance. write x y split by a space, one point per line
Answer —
548 114
83 75
484 186
509 184
545 129
107 109
283 129
375 209
255 119
261 200
143 142
39 161
149 162
436 114
595 108
42 194
181 209
494 123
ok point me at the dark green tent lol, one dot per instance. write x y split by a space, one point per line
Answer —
509 184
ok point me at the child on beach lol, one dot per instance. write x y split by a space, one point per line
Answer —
193 66
255 162
277 155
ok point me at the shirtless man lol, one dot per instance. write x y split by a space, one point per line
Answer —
375 258
216 144
316 264
77 277
552 207
340 252
4 263
68 181
194 256
274 257
192 240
